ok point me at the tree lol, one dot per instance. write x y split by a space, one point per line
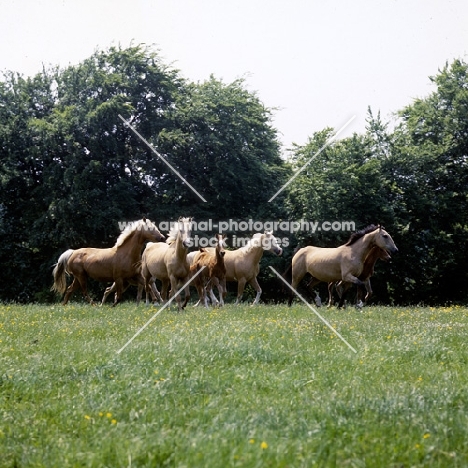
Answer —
430 161
223 143
72 170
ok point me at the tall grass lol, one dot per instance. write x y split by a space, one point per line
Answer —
237 386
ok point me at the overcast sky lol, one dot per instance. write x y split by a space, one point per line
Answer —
317 62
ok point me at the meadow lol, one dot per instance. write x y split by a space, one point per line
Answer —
263 386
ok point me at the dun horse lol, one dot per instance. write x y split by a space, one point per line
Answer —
345 262
375 254
119 264
167 262
242 265
213 274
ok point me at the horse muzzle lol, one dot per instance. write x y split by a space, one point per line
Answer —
390 250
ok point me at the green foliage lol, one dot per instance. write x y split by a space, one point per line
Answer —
414 181
223 143
430 168
71 170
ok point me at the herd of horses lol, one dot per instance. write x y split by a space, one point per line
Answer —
142 255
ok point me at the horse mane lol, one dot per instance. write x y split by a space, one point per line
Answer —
174 232
250 244
172 236
130 229
358 234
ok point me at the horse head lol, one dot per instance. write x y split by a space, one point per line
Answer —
185 231
151 232
384 241
220 244
270 243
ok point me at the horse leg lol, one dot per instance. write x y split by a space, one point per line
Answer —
187 295
150 290
198 283
215 282
254 283
298 272
140 288
174 289
156 293
107 292
224 286
344 287
212 282
146 279
330 293
84 288
73 287
240 289
119 286
164 289
205 296
368 295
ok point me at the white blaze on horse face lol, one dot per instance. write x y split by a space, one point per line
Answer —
221 244
185 229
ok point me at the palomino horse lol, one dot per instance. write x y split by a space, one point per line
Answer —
119 263
242 265
168 262
375 254
213 274
345 262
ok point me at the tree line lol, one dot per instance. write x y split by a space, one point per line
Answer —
71 171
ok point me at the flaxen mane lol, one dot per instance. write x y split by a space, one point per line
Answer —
175 228
130 228
252 243
358 234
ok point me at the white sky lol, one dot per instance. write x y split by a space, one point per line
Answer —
318 62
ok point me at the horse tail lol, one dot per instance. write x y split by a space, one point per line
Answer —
60 271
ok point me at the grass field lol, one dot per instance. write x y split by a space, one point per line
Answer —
238 386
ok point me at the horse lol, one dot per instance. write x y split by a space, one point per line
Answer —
345 262
242 265
213 273
168 262
119 263
375 254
